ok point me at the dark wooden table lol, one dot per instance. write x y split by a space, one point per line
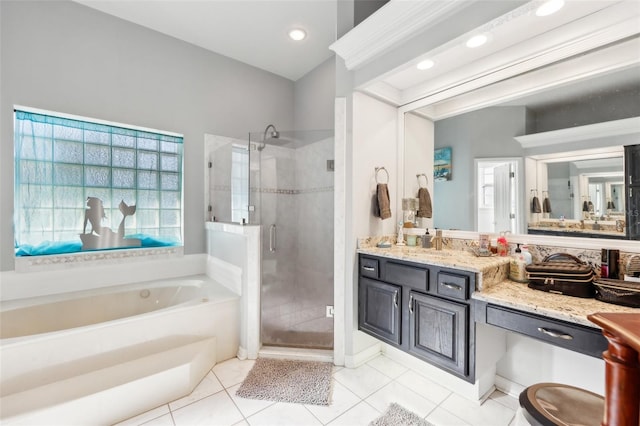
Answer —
622 367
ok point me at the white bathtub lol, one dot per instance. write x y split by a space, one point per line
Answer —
104 355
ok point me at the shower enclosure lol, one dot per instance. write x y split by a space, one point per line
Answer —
283 181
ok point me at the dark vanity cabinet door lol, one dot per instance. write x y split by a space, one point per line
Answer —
438 331
379 309
632 190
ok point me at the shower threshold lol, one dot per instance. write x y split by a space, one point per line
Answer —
304 354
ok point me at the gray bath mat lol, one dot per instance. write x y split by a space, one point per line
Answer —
282 380
397 415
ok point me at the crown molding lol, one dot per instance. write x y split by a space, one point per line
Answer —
392 24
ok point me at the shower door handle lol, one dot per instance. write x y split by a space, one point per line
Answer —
272 238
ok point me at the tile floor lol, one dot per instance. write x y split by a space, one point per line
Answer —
359 396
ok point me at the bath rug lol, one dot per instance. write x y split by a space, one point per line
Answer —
396 415
283 380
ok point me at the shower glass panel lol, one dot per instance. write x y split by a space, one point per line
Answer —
228 185
291 198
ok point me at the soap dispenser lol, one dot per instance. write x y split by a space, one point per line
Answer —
517 271
426 239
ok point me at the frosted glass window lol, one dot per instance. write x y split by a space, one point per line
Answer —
124 178
98 155
69 172
124 157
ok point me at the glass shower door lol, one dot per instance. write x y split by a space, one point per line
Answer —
291 197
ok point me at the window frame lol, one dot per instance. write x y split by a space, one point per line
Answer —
162 138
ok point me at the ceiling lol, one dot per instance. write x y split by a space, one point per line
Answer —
251 31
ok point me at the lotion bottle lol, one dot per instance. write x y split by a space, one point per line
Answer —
517 271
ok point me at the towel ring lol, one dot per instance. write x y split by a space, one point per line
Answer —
378 169
426 180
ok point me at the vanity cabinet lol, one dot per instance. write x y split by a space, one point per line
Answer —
632 190
419 308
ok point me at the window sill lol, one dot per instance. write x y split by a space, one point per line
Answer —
101 257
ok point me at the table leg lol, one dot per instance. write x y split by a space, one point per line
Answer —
622 383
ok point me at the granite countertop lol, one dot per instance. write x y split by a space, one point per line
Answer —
490 270
567 308
459 259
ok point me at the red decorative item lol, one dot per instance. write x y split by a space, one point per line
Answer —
503 247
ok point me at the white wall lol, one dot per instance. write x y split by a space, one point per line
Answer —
373 144
528 361
65 57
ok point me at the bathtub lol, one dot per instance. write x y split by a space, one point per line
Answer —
104 355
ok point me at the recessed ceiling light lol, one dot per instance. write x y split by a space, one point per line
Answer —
477 40
297 34
425 65
549 7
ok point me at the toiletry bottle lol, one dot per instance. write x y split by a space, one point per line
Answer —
517 271
528 259
503 246
426 239
437 240
400 237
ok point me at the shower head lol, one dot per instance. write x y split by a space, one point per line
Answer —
273 135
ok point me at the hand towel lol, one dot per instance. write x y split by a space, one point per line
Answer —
546 205
424 203
383 201
535 205
375 209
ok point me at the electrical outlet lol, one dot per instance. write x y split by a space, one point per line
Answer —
329 311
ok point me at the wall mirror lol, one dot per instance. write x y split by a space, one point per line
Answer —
484 125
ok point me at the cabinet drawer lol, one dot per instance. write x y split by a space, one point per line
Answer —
455 286
369 267
410 276
569 336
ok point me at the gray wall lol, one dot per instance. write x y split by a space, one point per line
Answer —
65 57
484 133
593 108
314 98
